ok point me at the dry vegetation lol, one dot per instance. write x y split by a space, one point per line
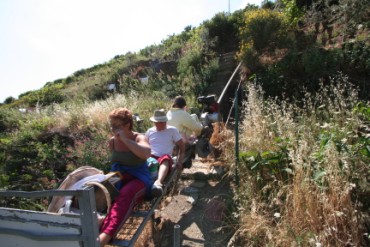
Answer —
299 169
303 178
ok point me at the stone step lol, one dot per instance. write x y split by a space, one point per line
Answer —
202 171
225 65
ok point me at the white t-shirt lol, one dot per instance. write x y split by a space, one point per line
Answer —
162 142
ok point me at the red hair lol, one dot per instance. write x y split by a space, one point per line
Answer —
121 116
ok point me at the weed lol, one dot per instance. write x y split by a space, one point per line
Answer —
301 167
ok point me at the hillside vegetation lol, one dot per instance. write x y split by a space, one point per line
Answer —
304 149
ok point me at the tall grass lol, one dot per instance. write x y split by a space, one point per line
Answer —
95 114
47 144
301 168
89 121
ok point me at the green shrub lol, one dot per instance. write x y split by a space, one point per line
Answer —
356 57
97 93
45 96
9 100
171 48
9 119
263 30
363 109
4 180
293 12
91 151
267 166
192 61
223 31
165 85
209 72
318 63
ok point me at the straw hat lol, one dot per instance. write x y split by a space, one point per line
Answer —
159 116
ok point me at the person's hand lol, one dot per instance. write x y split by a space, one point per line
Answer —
119 134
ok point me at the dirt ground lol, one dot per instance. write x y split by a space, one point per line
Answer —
200 205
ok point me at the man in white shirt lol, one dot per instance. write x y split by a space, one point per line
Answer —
162 139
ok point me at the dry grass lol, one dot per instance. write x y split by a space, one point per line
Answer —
315 207
94 115
221 139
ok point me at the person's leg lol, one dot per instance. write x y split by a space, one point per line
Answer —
189 155
164 167
157 188
130 194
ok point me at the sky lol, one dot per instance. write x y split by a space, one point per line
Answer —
45 40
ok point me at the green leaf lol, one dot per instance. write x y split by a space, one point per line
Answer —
318 175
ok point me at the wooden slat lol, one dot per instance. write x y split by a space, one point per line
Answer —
133 227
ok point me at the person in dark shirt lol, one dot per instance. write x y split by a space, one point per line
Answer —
129 153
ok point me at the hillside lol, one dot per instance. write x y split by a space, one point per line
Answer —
304 118
328 38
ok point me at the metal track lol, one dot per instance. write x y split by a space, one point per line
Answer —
135 224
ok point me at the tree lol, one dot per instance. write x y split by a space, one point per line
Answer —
9 100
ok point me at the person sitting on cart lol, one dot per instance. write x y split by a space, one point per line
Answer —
162 139
188 125
129 153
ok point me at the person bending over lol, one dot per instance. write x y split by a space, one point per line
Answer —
162 139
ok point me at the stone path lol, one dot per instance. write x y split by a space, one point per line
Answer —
200 206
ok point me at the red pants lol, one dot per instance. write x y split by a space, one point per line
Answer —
132 192
163 159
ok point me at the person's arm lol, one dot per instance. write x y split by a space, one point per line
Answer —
192 124
140 147
146 150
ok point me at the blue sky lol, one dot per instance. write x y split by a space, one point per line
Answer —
45 40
